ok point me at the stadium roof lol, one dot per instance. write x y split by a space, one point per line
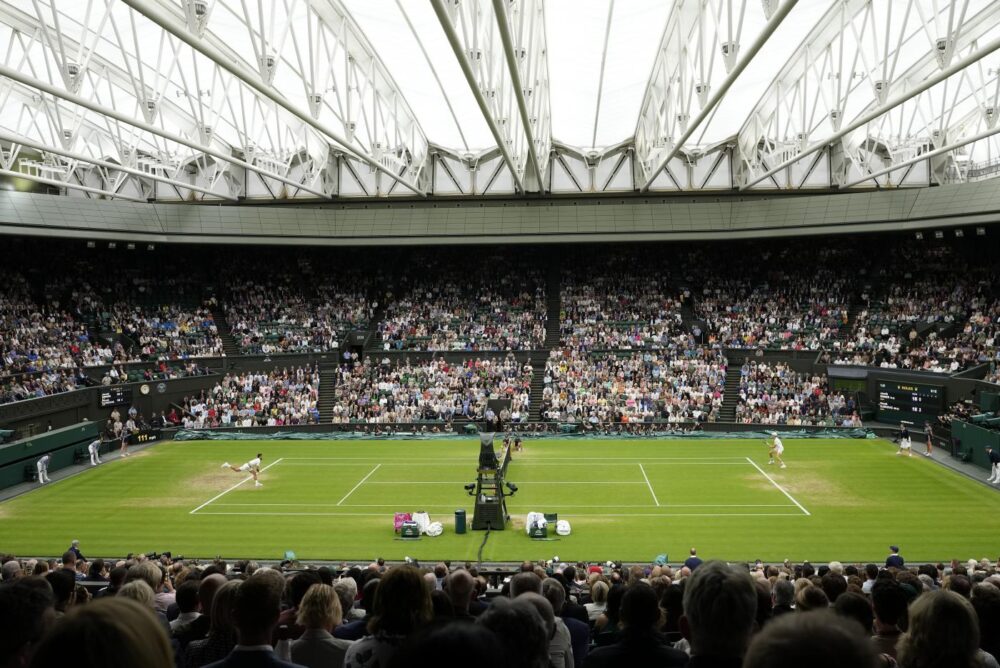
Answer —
281 99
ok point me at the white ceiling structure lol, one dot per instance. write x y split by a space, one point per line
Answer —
255 100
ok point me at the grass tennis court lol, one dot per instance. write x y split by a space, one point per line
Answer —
629 500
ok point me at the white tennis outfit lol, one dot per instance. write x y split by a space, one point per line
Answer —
95 452
252 465
43 469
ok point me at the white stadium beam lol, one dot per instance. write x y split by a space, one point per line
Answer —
944 150
509 85
56 91
259 78
529 20
72 186
680 81
79 157
856 80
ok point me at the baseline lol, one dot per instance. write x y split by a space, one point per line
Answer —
780 488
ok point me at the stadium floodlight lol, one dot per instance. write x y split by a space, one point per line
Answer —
112 245
980 231
959 233
150 247
938 234
919 236
91 244
130 246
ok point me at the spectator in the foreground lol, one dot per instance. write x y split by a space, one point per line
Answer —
256 607
110 633
986 601
187 605
521 631
221 637
889 603
782 598
402 605
598 600
460 587
318 614
451 646
720 607
579 632
560 644
198 629
640 643
817 640
26 613
943 633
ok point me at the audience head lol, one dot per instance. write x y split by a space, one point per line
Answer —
301 583
460 587
402 602
809 598
640 610
720 605
26 613
817 639
63 587
256 606
852 605
110 632
521 631
943 632
319 608
138 591
783 593
525 582
187 596
889 602
452 646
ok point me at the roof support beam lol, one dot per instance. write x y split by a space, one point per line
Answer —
720 92
503 23
155 13
463 60
874 113
71 186
20 77
24 141
985 134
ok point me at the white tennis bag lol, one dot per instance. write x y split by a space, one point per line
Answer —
563 528
434 529
534 520
423 520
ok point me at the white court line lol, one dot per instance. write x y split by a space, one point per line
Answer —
218 496
780 488
359 484
646 477
286 514
520 484
531 460
555 505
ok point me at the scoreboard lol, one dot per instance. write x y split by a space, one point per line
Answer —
114 396
904 400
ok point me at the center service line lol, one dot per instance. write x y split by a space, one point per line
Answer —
222 494
780 488
657 501
370 473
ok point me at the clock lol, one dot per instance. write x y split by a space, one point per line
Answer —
144 389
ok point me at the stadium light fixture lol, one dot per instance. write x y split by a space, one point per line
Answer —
919 236
150 247
938 234
91 244
130 246
980 231
112 245
959 233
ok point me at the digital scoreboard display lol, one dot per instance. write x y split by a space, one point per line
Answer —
114 396
903 400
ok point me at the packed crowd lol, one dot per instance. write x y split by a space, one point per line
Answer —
280 397
648 386
492 305
273 311
776 394
383 391
618 305
165 332
161 612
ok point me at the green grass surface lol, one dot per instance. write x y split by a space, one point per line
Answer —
627 500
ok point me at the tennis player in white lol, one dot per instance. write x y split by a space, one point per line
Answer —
252 466
776 449
95 452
